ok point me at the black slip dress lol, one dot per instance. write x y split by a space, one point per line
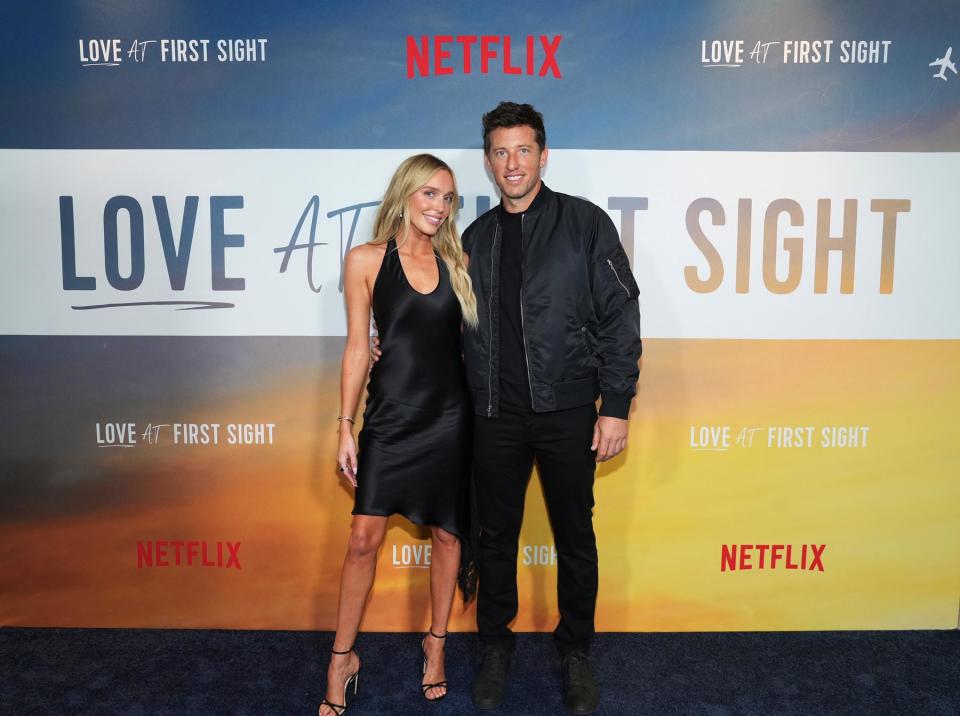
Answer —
414 448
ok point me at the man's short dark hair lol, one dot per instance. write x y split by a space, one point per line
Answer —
511 114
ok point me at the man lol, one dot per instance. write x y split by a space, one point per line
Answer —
559 326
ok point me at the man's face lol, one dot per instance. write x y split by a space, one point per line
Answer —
515 160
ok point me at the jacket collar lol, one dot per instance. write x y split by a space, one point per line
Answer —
538 201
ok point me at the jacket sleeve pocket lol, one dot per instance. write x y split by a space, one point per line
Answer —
618 273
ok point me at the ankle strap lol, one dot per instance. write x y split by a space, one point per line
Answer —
334 651
438 637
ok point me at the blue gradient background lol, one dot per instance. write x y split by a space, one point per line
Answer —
335 76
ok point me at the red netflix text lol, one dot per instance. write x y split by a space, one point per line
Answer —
188 553
439 55
772 556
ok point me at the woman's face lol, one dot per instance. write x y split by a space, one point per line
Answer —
429 206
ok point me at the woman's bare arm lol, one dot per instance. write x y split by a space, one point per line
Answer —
360 269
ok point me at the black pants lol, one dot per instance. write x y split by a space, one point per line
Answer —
504 451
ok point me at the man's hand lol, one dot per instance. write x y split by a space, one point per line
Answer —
375 351
609 437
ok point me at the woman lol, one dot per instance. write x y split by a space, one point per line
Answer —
414 446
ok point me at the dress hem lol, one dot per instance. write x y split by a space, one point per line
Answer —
418 522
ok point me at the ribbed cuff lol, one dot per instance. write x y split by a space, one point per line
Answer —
616 405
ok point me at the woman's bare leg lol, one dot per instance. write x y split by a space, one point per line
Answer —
444 566
356 579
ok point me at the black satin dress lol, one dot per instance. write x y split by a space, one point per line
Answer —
414 448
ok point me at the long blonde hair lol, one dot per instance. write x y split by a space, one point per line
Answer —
393 220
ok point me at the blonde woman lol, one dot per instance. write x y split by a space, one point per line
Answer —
414 449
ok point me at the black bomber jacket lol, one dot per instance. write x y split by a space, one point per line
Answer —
578 304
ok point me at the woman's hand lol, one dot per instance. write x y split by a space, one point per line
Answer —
347 452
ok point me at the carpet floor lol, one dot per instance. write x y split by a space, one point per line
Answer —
129 671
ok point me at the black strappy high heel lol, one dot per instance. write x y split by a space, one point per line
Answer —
354 679
424 688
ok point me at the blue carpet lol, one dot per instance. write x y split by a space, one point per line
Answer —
126 671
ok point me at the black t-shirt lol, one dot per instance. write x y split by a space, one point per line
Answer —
514 379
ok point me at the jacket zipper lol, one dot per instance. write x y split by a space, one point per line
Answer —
490 319
523 329
617 276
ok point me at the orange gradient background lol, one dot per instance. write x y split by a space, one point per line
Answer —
889 513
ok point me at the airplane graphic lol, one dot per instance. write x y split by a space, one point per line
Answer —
944 64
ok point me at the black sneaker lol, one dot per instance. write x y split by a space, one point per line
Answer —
580 693
491 683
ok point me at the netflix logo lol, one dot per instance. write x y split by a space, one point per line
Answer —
448 54
807 557
188 553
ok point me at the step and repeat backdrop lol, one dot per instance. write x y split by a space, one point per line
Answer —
179 183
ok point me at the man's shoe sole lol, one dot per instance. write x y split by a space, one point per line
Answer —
488 705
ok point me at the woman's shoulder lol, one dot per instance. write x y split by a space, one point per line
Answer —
369 250
366 256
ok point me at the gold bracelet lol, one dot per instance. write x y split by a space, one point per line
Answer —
341 418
